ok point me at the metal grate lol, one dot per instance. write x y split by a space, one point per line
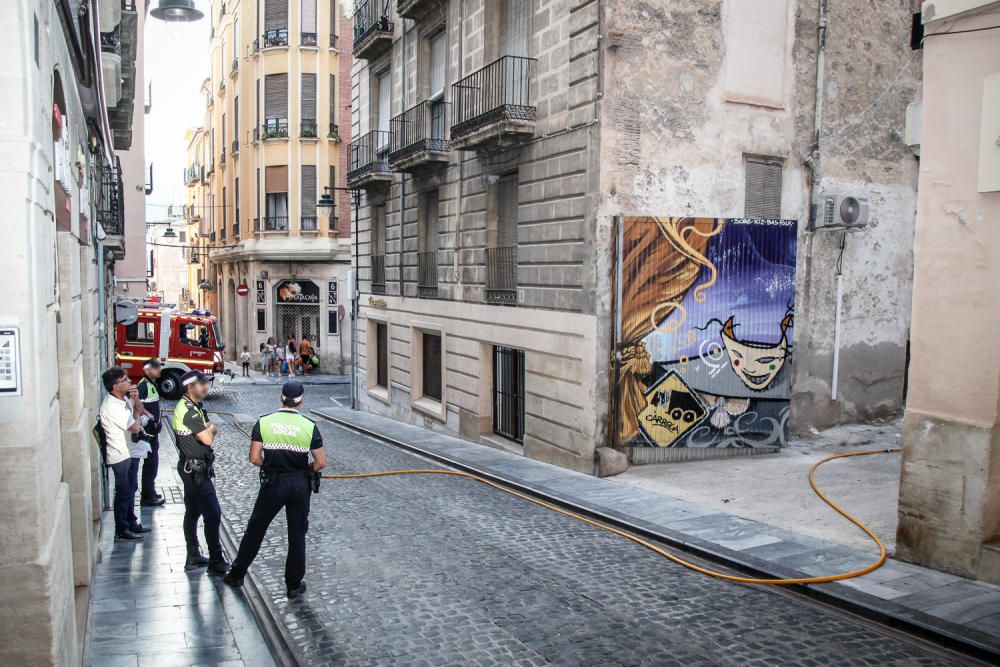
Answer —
427 274
419 128
501 275
369 155
298 321
763 188
508 392
378 274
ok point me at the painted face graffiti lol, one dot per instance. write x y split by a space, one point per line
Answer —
756 364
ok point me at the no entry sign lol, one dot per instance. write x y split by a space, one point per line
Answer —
243 289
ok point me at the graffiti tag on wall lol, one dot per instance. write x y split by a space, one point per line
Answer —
707 309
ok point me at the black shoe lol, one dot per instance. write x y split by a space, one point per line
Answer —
139 529
218 567
158 501
129 536
233 580
296 591
194 560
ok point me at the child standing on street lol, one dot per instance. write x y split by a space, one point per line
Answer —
245 358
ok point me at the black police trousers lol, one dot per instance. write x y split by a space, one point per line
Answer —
150 466
292 493
200 501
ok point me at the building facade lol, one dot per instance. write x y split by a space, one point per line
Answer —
497 143
273 140
949 501
63 188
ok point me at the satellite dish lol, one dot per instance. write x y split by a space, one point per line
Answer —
126 312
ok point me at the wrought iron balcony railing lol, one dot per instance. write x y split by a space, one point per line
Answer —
333 40
422 127
501 91
222 232
222 85
334 132
274 128
192 174
371 19
235 67
501 275
307 128
308 39
111 204
256 134
276 224
276 37
378 274
368 154
307 223
236 226
111 42
427 274
255 47
222 157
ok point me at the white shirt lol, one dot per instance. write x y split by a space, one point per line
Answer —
245 357
116 418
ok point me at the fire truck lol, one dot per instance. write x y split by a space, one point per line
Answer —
183 341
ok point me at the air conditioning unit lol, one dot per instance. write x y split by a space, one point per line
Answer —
842 212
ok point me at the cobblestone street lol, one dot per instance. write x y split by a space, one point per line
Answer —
437 570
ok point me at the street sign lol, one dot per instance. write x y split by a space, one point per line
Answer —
242 289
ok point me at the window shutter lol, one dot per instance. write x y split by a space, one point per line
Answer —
236 117
514 27
507 211
384 102
333 18
763 188
333 102
275 14
276 96
256 109
437 64
308 110
430 240
236 202
276 179
378 230
223 130
308 16
309 190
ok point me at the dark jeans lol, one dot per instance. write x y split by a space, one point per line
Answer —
125 480
149 468
246 368
200 501
292 494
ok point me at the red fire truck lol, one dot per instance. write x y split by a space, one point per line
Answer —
183 342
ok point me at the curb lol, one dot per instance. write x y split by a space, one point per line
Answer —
942 633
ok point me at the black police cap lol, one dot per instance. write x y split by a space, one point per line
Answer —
193 376
293 389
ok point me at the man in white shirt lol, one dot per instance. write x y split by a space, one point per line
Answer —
120 414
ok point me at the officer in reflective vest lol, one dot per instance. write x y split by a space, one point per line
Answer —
280 445
150 398
195 438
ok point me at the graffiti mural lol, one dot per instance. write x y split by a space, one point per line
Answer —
705 339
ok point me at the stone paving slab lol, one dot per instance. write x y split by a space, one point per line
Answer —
145 610
941 604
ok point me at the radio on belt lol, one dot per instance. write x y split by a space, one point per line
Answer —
10 360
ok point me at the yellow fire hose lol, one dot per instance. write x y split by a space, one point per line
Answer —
649 545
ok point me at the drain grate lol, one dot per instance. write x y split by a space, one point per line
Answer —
173 494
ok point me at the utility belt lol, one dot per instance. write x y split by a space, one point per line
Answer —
270 478
149 431
200 469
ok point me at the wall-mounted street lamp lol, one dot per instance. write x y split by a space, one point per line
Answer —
176 11
324 207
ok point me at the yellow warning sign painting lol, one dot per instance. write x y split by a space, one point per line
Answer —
672 409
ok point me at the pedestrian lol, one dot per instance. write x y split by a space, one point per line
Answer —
290 356
279 360
245 358
120 412
195 439
150 424
305 354
280 445
268 356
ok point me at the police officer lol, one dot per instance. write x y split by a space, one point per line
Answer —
150 398
195 437
280 445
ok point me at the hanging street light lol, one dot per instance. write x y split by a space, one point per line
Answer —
324 207
176 11
170 233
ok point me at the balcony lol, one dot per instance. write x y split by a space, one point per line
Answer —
418 137
256 134
123 80
222 232
308 223
307 128
369 164
308 39
222 86
273 224
111 208
274 128
416 9
492 106
236 226
333 40
255 47
501 275
378 274
222 157
236 147
275 38
372 29
334 133
235 67
192 174
427 275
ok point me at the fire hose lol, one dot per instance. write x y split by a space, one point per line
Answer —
877 563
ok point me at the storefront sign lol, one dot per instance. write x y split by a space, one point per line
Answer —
377 303
298 291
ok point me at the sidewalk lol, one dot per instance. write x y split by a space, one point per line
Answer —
145 610
933 604
256 377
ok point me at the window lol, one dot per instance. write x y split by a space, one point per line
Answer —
275 15
437 76
236 122
236 206
429 227
333 105
308 15
140 333
507 210
332 322
378 230
383 109
431 371
763 187
276 203
427 244
381 355
514 27
261 320
308 105
308 184
225 212
223 130
508 392
276 105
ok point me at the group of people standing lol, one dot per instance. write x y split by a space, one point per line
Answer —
285 445
290 358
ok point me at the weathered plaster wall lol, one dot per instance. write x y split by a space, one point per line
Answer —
675 137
